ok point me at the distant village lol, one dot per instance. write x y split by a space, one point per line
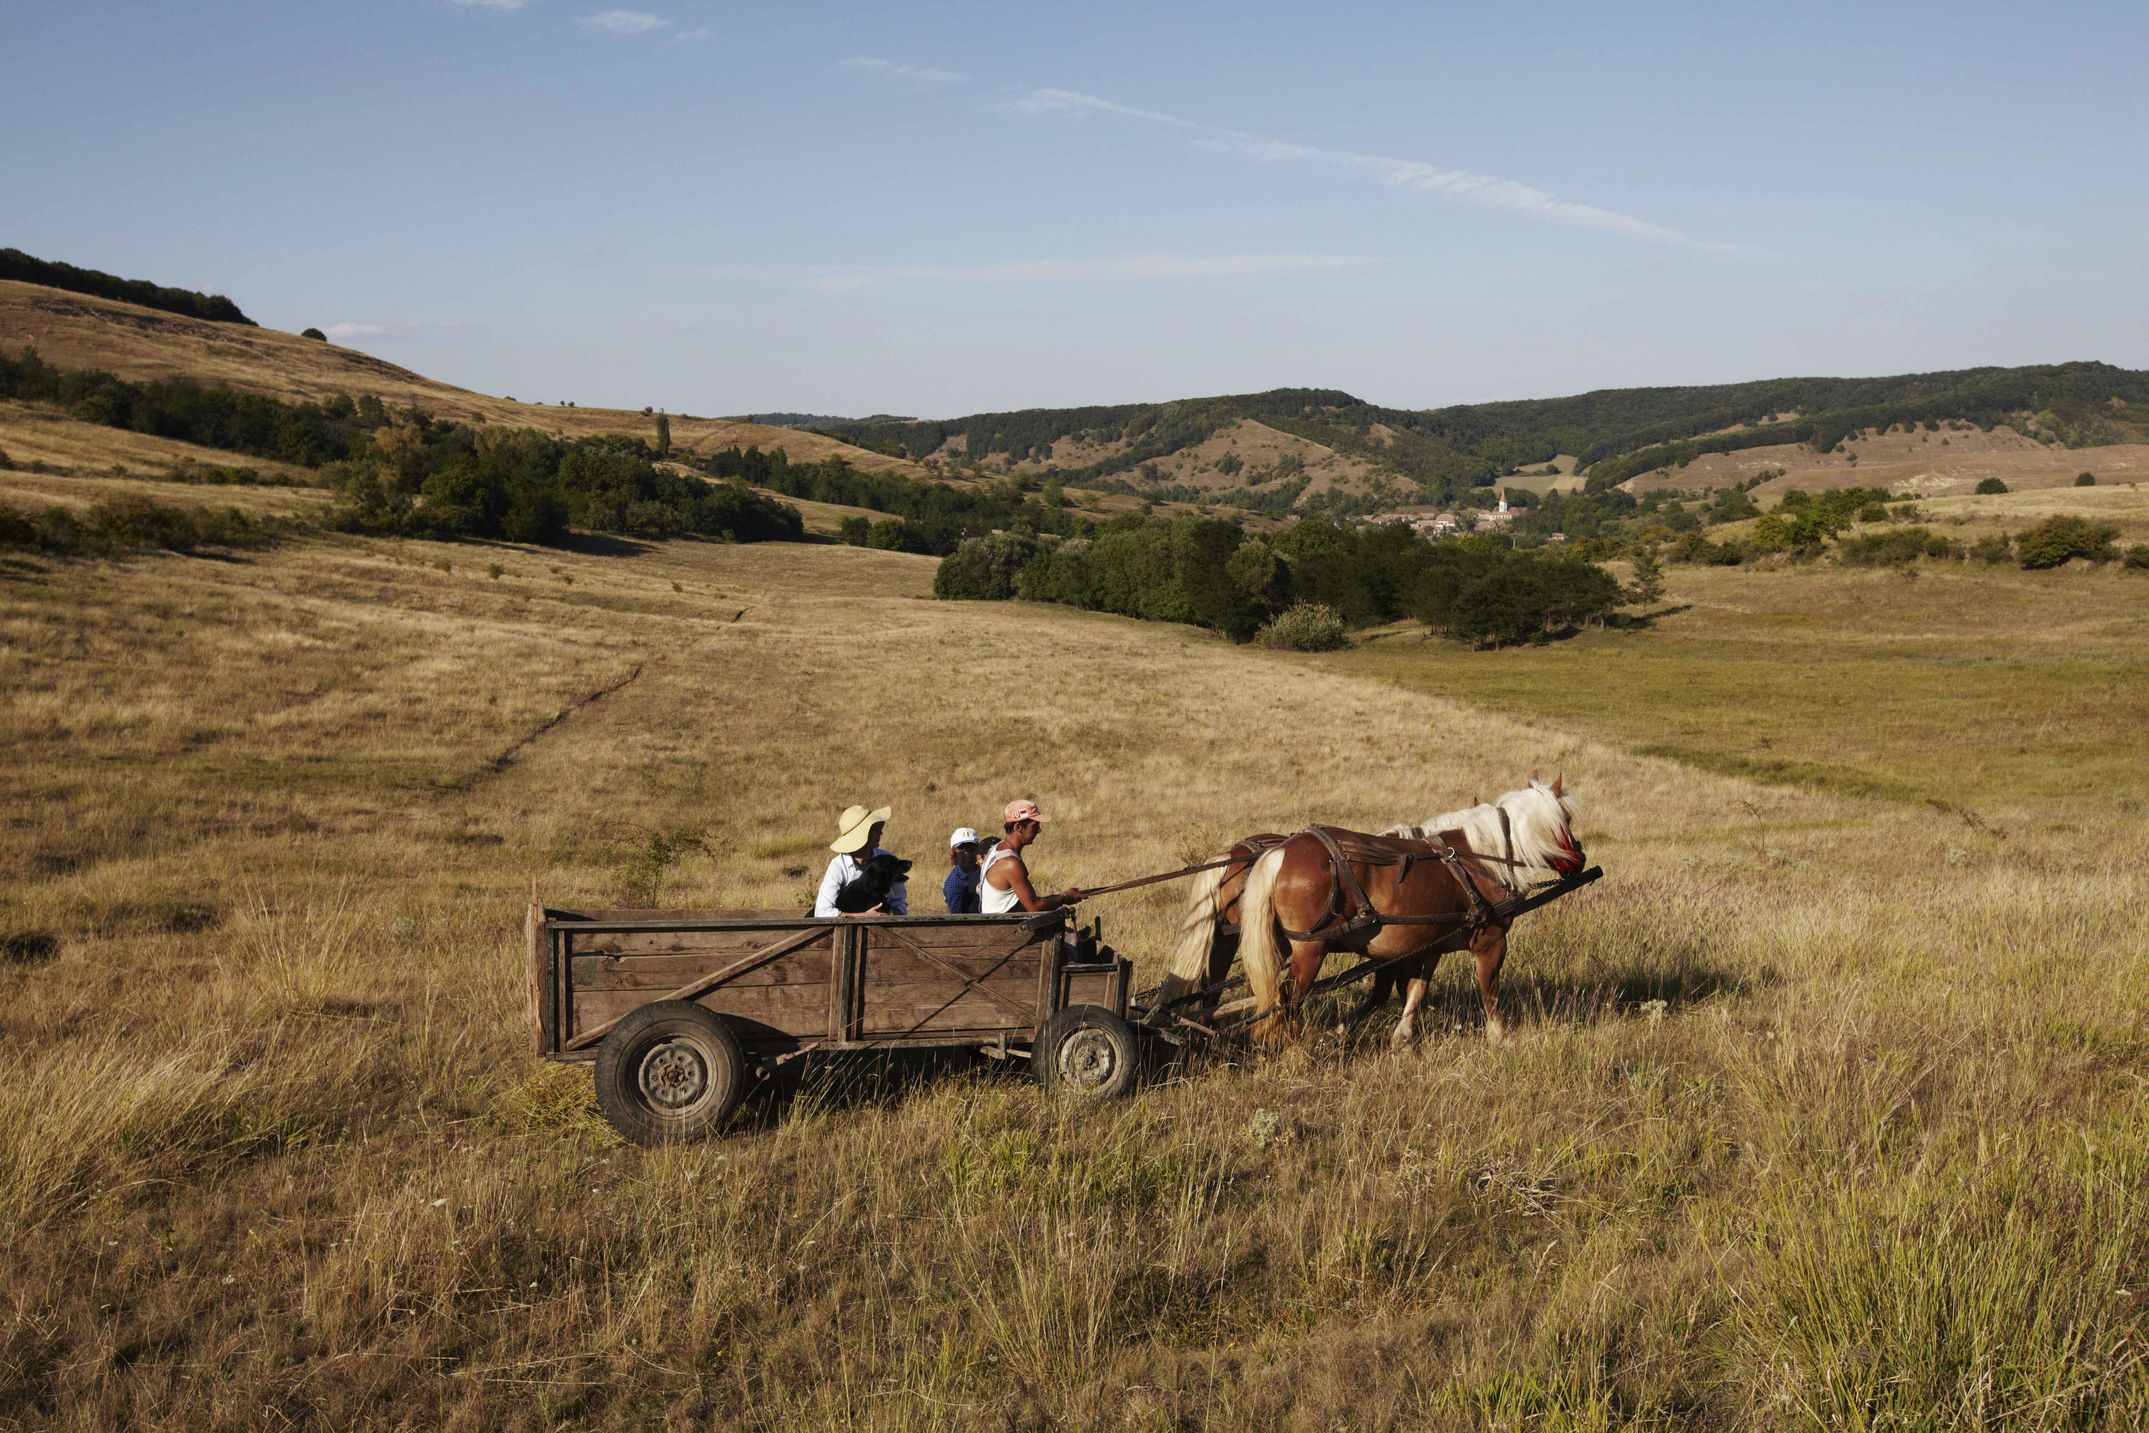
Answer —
1435 523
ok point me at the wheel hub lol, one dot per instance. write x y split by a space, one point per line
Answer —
674 1075
1087 1060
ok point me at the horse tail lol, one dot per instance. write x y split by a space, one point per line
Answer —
1257 938
1189 970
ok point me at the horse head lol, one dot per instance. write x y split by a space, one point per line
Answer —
1542 816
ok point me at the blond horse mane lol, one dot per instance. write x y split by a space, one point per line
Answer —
1189 969
1540 817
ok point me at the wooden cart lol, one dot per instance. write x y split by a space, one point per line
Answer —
677 1008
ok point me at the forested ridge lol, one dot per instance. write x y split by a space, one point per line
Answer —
25 268
1614 432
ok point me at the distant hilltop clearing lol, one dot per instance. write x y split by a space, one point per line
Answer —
817 420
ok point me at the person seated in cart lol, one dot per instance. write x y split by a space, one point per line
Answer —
1004 881
857 840
961 887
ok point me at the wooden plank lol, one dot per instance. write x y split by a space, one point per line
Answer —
897 1010
534 943
662 972
756 1015
1087 988
568 916
955 939
898 961
850 966
694 988
718 943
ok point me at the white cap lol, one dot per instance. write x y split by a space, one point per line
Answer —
963 836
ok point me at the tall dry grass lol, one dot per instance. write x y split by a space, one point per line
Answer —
1823 1111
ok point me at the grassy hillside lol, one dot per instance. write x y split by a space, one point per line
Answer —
80 331
1617 434
1823 1109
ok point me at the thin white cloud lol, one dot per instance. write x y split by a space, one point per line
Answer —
1483 190
344 332
502 6
924 73
622 22
699 32
1127 268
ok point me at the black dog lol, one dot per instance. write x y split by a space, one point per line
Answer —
882 874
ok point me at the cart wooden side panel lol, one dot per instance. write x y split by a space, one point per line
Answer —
784 982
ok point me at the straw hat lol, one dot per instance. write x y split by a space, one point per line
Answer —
852 826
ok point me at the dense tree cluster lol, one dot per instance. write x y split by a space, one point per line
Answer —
1210 572
426 479
305 434
933 517
15 264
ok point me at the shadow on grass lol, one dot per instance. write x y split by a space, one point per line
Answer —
599 544
851 1079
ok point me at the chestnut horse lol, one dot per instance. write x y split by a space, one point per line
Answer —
1524 837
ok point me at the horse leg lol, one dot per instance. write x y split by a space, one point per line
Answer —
1377 993
1406 1029
1306 959
1490 947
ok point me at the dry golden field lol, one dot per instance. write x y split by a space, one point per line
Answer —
79 331
1825 1108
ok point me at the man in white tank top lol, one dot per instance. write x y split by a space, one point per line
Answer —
1004 881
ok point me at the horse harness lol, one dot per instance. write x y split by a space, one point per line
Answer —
1351 910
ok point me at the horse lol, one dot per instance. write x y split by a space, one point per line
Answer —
1514 828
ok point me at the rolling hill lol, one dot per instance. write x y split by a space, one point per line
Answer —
1617 435
75 331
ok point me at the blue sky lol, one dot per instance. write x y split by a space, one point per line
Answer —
938 209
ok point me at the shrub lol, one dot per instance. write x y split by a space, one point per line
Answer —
2138 557
983 568
886 535
313 333
1305 627
1888 549
854 530
1993 548
2059 539
2085 480
1988 486
1873 512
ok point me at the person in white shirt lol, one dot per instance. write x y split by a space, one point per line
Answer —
1023 823
857 838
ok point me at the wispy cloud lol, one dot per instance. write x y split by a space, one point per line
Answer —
622 22
1127 268
925 73
499 5
699 32
345 332
1483 190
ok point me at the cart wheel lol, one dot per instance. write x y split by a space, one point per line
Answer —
1085 1050
669 1072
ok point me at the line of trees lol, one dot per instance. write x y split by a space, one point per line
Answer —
403 472
15 264
1210 572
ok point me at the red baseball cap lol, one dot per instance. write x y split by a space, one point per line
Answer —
1022 811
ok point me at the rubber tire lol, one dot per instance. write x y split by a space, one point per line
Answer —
702 1044
1087 1051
